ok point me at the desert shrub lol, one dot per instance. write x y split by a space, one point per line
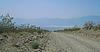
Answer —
70 29
4 34
45 31
73 29
23 33
88 25
1 46
39 31
14 35
1 30
96 28
35 45
42 31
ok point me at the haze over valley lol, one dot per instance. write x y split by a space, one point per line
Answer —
57 23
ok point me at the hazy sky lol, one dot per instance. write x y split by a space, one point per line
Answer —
50 8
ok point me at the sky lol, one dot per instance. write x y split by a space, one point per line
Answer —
30 9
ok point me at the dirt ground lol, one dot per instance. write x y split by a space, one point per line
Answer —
62 42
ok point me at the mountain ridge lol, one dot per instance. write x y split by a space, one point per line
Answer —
57 21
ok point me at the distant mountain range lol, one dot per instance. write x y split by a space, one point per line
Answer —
57 21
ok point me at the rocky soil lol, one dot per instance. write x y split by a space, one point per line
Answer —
76 41
21 43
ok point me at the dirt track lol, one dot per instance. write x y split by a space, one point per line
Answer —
71 43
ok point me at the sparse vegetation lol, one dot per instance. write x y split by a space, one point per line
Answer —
23 33
20 36
90 25
97 27
69 29
17 36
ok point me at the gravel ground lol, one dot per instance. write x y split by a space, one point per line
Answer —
62 42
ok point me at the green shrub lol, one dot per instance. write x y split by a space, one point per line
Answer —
35 45
4 34
96 28
23 33
39 31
